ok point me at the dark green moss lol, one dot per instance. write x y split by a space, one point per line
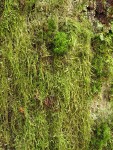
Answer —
102 60
101 136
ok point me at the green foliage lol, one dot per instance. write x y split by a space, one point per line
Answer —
102 68
102 60
39 92
51 29
60 43
100 136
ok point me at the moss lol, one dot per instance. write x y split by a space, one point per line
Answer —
60 43
44 99
101 136
52 24
101 62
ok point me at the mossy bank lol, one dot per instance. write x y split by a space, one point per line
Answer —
52 64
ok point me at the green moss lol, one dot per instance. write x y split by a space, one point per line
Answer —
52 24
44 99
102 61
101 136
60 43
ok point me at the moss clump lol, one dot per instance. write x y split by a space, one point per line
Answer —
61 43
101 136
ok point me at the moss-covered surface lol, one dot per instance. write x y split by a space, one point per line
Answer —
52 64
